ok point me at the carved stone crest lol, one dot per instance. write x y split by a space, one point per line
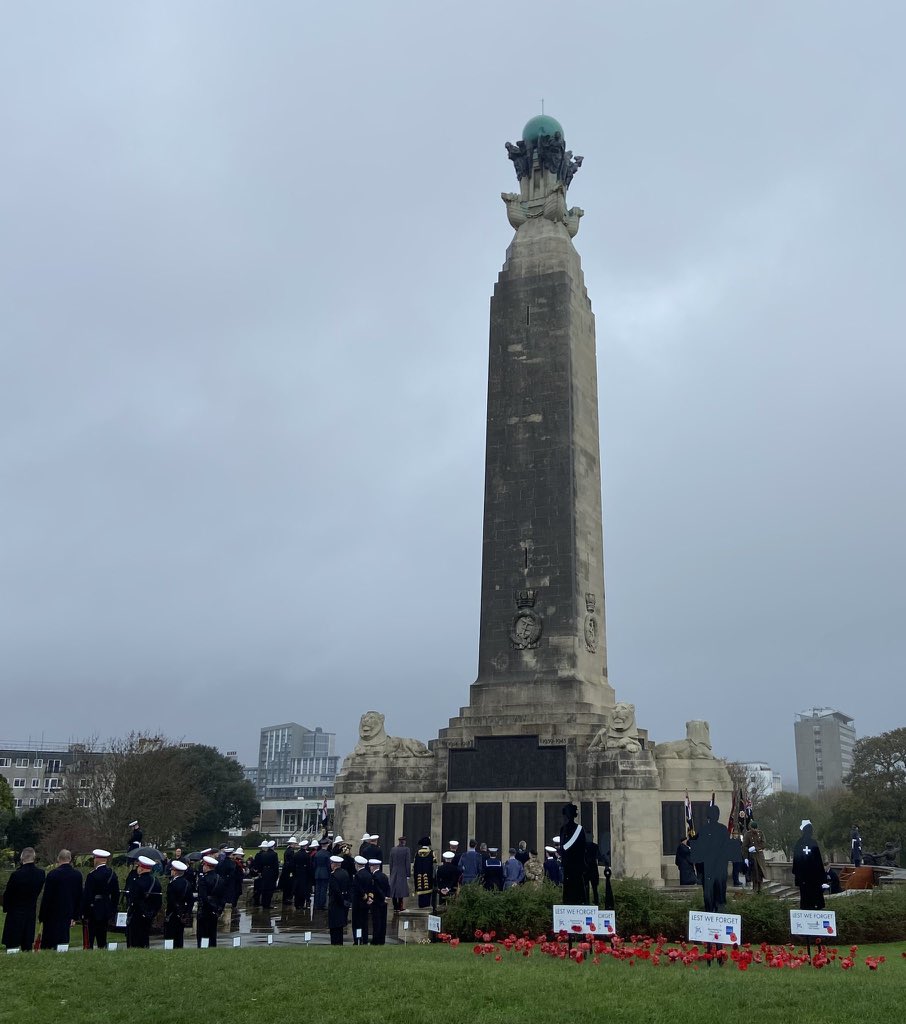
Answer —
591 624
526 631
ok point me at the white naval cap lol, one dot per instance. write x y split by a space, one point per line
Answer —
374 860
804 822
366 836
207 849
149 862
453 842
449 855
303 842
336 860
263 844
100 853
271 843
337 839
132 824
375 836
238 852
361 860
210 860
492 849
177 865
228 849
555 840
292 841
550 849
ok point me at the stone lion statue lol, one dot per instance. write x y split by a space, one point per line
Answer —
620 732
374 741
696 744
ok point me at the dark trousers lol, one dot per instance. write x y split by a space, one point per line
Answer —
302 895
174 929
320 894
360 924
97 933
138 932
266 896
206 928
336 936
378 923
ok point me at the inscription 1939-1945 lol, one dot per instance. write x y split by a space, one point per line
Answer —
507 762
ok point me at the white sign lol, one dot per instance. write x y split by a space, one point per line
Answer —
121 919
112 946
813 922
433 922
205 944
15 949
405 926
168 943
723 928
575 920
307 936
270 940
607 923
358 933
237 941
63 947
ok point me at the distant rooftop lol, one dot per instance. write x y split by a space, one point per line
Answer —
824 713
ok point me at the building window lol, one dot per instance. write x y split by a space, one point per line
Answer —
21 762
84 783
55 766
32 802
6 762
18 783
39 762
52 784
83 801
36 783
17 802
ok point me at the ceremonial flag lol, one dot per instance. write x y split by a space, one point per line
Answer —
324 811
690 828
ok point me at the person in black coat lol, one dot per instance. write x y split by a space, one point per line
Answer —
303 876
572 857
211 901
237 879
178 914
144 900
683 860
99 899
808 870
267 866
226 868
552 870
339 900
61 904
379 902
20 902
286 884
135 840
493 871
362 898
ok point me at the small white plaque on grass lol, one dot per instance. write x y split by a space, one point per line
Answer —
112 946
433 922
607 922
725 929
63 947
15 949
237 941
813 922
205 943
575 919
307 936
358 933
270 940
168 943
405 925
121 919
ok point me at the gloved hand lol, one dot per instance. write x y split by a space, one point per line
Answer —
751 849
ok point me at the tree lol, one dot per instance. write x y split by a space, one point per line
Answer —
7 806
877 784
26 829
750 784
227 799
779 817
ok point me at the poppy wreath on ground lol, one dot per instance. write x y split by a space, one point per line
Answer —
657 952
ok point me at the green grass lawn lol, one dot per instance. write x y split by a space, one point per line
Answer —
431 984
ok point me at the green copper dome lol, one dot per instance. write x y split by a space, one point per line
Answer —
541 124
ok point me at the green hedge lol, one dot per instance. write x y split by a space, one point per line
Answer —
877 916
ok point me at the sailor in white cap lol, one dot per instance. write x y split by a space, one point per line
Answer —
266 868
449 877
320 866
144 899
379 902
303 875
285 883
552 870
493 870
339 899
211 900
100 898
362 898
178 913
137 836
454 849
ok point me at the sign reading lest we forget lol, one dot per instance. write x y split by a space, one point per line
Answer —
725 929
813 922
578 919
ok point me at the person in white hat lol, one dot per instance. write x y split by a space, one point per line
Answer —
178 913
266 868
454 849
135 840
143 900
100 898
339 900
449 878
303 874
320 864
286 883
552 870
379 902
362 898
211 901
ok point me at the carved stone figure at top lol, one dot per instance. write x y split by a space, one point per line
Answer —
522 159
374 741
551 151
620 732
696 744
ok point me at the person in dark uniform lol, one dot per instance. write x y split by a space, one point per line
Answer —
855 840
362 891
61 904
683 860
423 873
808 870
303 876
493 870
374 851
552 870
211 901
238 877
20 902
268 867
379 902
144 900
99 899
592 874
572 857
285 883
226 868
448 878
338 900
178 915
137 836
321 866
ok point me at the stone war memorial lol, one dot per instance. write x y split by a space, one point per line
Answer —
542 727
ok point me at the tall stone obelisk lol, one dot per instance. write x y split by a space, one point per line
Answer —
542 634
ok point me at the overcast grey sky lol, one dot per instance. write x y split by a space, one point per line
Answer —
246 252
